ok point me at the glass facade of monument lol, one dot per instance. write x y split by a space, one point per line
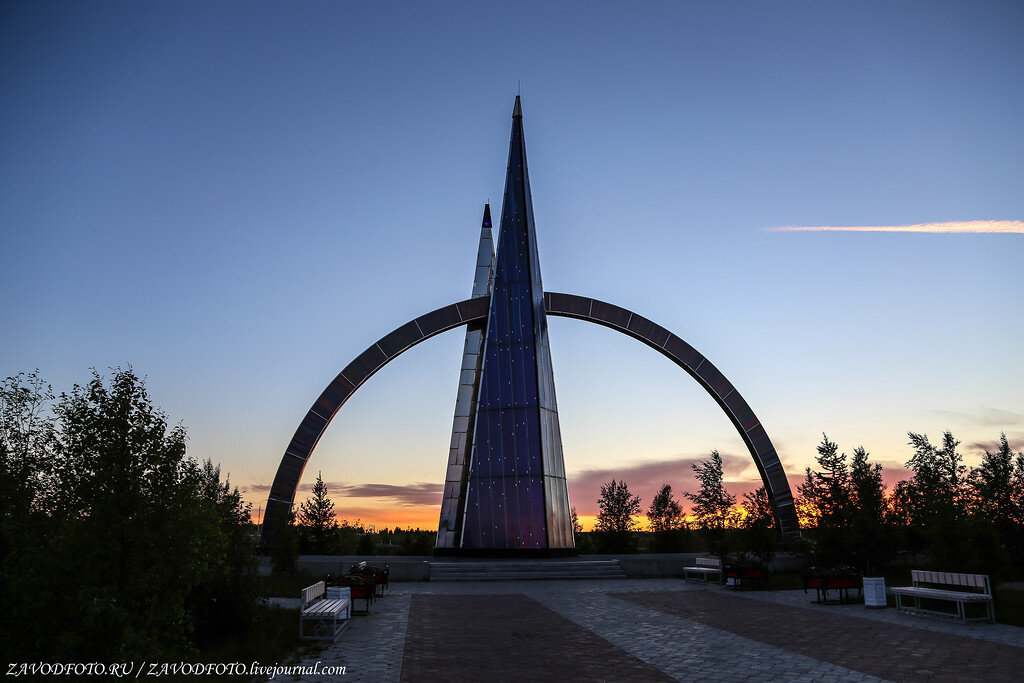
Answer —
505 506
516 493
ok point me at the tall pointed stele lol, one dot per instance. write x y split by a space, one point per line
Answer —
513 500
454 498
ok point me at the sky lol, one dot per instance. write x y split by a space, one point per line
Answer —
237 198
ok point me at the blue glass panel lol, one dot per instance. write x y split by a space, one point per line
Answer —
524 363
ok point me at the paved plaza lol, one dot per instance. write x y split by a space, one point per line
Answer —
654 630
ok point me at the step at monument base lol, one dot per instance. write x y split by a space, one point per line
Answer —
520 570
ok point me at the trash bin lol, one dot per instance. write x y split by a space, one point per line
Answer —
874 593
338 593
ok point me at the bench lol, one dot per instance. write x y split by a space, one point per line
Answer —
705 567
976 589
327 613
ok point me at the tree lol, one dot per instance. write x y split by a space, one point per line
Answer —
226 600
712 504
125 504
665 513
997 485
939 478
130 537
669 532
826 490
826 500
26 444
577 528
870 536
615 517
759 533
997 492
316 514
936 501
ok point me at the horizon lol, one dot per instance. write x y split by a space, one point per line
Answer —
823 200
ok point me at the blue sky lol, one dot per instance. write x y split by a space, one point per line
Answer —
238 197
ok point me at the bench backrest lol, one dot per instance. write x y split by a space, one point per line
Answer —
975 581
712 562
313 592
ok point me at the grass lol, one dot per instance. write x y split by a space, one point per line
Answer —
785 581
1009 602
1009 606
286 586
273 639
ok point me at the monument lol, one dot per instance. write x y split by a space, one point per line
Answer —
510 493
505 488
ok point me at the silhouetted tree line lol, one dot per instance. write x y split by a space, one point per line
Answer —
958 518
114 545
315 530
951 516
715 524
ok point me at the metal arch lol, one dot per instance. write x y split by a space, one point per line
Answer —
313 426
708 376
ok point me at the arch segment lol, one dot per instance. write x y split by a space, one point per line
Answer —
356 373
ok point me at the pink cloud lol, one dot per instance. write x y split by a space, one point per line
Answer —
421 493
646 479
954 227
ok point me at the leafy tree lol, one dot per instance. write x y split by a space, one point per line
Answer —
759 533
316 514
616 517
668 527
26 444
939 479
997 491
713 505
367 545
665 513
131 538
936 500
284 548
997 485
126 500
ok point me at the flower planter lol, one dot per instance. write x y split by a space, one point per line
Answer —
748 577
832 589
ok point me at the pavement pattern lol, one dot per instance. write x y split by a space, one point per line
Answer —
653 630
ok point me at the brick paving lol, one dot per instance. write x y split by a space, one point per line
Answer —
688 650
889 651
508 638
655 629
370 648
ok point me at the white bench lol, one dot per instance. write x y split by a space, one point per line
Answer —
706 566
316 607
977 590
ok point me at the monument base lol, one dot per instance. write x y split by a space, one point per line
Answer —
511 553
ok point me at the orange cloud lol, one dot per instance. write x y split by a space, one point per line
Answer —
956 227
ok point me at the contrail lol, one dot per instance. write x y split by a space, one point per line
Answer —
956 227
